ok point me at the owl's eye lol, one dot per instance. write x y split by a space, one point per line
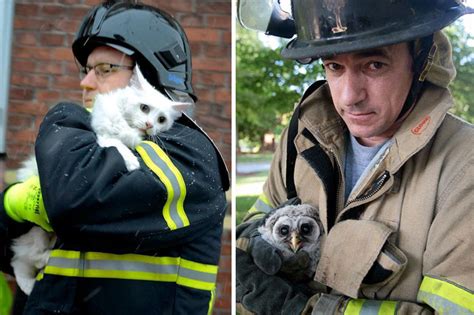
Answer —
145 108
284 230
161 119
305 229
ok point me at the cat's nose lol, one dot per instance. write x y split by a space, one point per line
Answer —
148 125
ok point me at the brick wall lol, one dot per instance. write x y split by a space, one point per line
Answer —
43 73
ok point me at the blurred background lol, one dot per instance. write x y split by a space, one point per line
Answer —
268 86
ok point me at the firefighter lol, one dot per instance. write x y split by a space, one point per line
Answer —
139 242
376 151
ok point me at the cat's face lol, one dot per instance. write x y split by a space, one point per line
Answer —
147 109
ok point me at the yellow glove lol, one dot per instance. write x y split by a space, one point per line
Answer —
24 202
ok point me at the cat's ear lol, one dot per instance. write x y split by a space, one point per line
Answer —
138 80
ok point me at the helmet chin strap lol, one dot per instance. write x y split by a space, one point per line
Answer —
422 61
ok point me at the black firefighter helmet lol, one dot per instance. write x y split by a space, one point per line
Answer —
155 40
328 27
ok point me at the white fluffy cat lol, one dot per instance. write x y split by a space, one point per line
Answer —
123 117
120 119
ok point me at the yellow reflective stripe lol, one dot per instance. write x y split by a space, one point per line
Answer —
388 308
133 267
261 205
40 275
68 272
132 257
198 266
354 307
210 270
211 302
370 307
445 297
110 274
65 254
159 162
195 283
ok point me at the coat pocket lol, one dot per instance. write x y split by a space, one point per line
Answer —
384 273
357 260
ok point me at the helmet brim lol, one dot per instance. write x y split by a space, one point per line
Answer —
298 49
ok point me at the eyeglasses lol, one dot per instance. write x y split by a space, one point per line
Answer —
102 70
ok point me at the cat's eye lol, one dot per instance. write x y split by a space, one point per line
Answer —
161 119
145 108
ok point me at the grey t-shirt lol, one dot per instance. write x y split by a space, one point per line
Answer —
358 157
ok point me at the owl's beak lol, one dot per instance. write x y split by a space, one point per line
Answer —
295 242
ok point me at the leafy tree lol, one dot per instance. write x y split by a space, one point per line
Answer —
267 86
463 57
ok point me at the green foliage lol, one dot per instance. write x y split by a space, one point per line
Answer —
266 86
243 204
463 57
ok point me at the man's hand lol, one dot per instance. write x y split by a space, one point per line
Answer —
259 289
265 256
24 202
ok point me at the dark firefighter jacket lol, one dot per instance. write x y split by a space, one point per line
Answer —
140 242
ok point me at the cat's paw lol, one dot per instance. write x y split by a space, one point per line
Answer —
26 284
131 137
132 163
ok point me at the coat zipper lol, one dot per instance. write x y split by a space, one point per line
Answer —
374 189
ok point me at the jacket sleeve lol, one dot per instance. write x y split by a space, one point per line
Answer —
9 229
329 304
448 270
95 203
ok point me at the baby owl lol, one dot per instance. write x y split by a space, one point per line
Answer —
294 228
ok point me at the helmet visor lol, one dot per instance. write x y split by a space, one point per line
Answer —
266 16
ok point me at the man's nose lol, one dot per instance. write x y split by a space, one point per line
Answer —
89 82
354 88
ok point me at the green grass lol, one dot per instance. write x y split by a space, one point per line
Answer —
251 178
254 157
244 202
242 205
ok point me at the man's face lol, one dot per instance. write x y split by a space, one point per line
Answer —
369 89
92 84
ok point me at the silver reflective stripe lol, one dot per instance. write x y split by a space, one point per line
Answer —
442 305
260 205
370 307
197 275
112 265
173 180
133 267
327 304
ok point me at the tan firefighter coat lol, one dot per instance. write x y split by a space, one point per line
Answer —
413 212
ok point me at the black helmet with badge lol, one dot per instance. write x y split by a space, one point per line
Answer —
152 37
321 28
328 27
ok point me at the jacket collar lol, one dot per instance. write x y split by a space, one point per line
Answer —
419 127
